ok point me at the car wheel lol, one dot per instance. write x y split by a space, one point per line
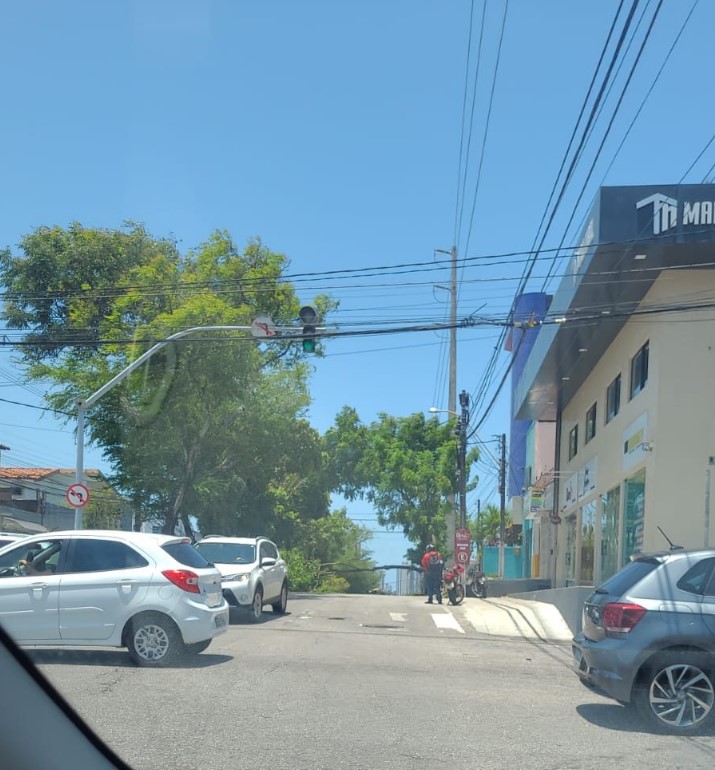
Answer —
197 647
154 640
677 693
257 605
282 603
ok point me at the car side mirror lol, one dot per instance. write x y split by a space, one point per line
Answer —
268 561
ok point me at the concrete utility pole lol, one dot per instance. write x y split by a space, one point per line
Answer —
452 395
502 503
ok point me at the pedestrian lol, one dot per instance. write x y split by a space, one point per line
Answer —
432 564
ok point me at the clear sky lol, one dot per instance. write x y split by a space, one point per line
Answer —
332 131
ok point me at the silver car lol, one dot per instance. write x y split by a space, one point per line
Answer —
153 594
649 638
254 574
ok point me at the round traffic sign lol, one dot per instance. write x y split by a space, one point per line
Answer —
77 495
263 327
462 557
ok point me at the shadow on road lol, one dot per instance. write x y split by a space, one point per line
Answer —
625 719
238 617
612 716
115 658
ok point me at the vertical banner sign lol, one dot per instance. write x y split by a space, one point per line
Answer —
462 547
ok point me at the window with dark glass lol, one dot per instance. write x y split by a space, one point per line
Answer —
613 399
100 555
573 442
590 423
639 370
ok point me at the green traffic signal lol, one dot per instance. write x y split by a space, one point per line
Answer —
308 316
309 339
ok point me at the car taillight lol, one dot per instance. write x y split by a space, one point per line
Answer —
620 618
185 579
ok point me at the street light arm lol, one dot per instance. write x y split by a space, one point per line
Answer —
147 355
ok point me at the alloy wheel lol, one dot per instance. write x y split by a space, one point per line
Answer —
681 695
151 642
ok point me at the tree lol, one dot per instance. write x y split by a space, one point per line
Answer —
212 426
486 528
404 466
103 511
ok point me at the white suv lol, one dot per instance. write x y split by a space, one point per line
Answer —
153 594
253 572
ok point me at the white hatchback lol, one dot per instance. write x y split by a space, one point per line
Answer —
154 594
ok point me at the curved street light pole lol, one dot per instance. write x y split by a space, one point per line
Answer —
82 406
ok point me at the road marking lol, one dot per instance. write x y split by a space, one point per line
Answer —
398 617
447 620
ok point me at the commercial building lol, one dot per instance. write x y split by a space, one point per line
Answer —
614 398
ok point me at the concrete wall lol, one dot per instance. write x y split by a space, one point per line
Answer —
568 601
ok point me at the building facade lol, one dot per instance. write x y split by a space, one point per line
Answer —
621 375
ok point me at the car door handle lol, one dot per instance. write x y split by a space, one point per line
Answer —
38 586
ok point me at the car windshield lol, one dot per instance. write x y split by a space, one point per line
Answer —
228 553
291 290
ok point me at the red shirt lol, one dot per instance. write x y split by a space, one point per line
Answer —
426 559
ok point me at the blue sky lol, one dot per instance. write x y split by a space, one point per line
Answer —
332 131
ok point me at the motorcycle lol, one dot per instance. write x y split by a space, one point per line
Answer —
452 587
477 582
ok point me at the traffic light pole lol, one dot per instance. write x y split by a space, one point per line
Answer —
463 425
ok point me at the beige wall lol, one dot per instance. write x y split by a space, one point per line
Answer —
678 404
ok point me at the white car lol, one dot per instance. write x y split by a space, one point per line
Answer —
153 594
253 572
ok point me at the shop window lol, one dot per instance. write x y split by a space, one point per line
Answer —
610 509
639 370
590 423
573 442
634 515
613 399
588 539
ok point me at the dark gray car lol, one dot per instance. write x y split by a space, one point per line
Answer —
649 638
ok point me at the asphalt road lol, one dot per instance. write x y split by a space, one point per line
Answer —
362 682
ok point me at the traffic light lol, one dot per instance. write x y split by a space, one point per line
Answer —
308 317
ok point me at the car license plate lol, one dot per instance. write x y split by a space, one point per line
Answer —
220 621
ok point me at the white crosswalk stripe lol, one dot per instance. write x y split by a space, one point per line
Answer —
445 620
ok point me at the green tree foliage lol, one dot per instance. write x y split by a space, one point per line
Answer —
212 426
485 528
404 466
330 556
103 511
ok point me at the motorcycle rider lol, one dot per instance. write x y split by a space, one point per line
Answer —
432 564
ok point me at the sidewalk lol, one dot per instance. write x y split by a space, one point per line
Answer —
517 618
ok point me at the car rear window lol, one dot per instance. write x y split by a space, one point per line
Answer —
625 579
186 554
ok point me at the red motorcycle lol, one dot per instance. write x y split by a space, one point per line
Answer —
452 587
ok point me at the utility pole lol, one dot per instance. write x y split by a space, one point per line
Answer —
452 395
502 503
463 424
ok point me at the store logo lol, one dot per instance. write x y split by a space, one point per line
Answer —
665 211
